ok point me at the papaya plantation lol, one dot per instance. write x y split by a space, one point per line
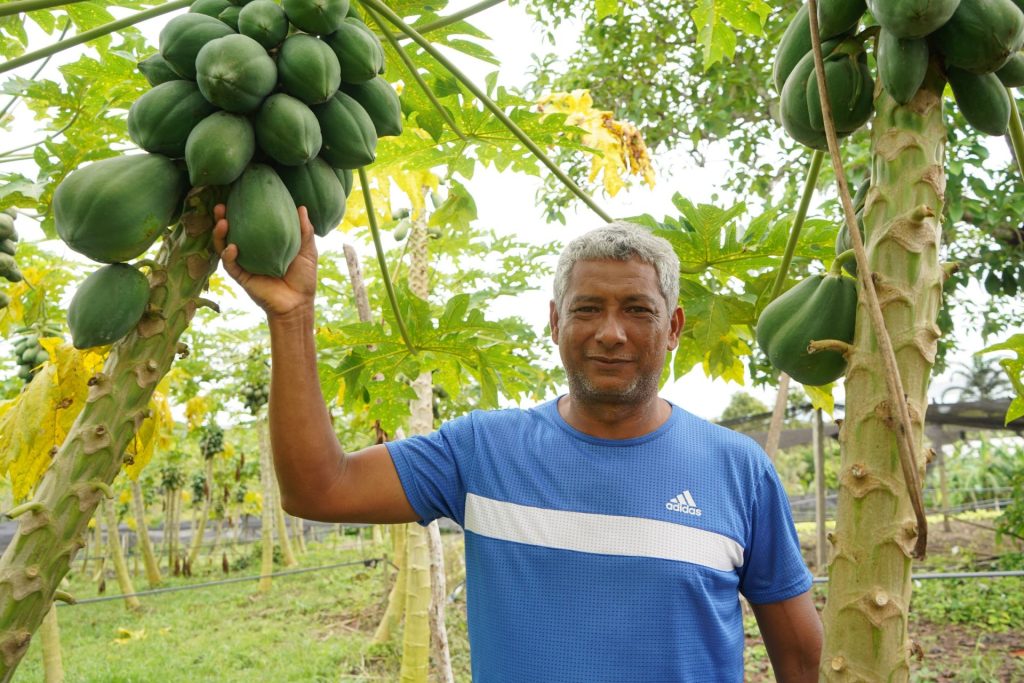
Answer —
872 191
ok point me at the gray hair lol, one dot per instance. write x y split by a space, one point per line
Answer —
621 241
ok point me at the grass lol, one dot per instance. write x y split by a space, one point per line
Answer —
315 626
318 626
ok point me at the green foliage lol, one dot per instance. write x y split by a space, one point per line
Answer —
987 604
1014 368
728 266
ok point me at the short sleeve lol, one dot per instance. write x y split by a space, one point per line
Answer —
773 567
430 469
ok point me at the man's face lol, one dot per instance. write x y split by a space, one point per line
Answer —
613 331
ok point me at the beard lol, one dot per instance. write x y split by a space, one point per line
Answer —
582 389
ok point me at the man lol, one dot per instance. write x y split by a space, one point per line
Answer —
608 533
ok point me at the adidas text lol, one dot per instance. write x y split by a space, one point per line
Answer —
676 507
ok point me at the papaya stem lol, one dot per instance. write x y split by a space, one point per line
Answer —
396 21
390 37
379 248
893 381
1016 132
456 17
810 181
837 265
86 36
819 345
17 6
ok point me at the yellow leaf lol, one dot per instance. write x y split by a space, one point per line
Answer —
821 397
155 432
196 410
35 423
412 183
125 636
355 207
621 148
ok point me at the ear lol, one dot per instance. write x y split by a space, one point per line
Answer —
553 321
677 322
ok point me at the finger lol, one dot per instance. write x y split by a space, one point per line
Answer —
307 243
229 257
220 211
220 233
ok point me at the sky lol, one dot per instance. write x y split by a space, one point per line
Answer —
505 202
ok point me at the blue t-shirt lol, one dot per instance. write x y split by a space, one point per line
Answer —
596 560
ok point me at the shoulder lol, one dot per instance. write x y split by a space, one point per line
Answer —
717 437
502 419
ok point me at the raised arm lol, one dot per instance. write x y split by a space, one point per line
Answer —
317 479
791 630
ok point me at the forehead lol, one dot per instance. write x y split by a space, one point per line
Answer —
613 278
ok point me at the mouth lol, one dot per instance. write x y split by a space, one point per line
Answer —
609 361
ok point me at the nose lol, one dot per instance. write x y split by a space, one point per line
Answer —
610 332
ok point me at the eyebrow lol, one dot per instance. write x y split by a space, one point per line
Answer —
632 298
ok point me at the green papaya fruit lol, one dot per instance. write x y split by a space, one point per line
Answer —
262 222
8 247
345 176
265 22
844 243
861 195
10 211
381 102
795 43
160 120
1012 73
912 18
318 17
156 70
219 148
981 35
229 15
107 305
184 35
7 229
308 69
838 17
113 210
349 137
235 73
402 229
287 130
796 119
5 300
902 64
850 93
982 99
819 307
210 8
359 52
9 268
360 24
316 187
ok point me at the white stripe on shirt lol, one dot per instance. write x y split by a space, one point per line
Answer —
603 534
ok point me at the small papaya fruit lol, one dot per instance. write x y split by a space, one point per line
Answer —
229 15
850 94
235 73
819 307
349 136
315 186
318 17
210 8
1012 73
184 35
981 35
912 18
381 102
107 305
308 69
265 22
286 130
156 70
902 65
359 51
161 120
219 148
838 17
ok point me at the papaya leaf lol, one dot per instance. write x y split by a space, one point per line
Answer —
716 20
605 8
37 421
821 397
1014 368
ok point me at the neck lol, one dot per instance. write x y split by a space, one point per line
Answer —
614 420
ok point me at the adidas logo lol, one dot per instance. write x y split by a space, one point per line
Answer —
683 503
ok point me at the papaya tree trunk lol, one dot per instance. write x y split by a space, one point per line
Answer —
53 661
199 528
266 510
53 525
866 615
124 579
287 554
396 596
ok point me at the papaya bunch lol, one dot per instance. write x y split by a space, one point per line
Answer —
277 102
977 43
8 243
28 352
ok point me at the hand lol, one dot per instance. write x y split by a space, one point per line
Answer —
283 296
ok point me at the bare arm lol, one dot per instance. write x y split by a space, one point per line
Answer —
791 630
317 479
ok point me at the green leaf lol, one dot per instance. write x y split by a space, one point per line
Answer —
606 8
715 20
